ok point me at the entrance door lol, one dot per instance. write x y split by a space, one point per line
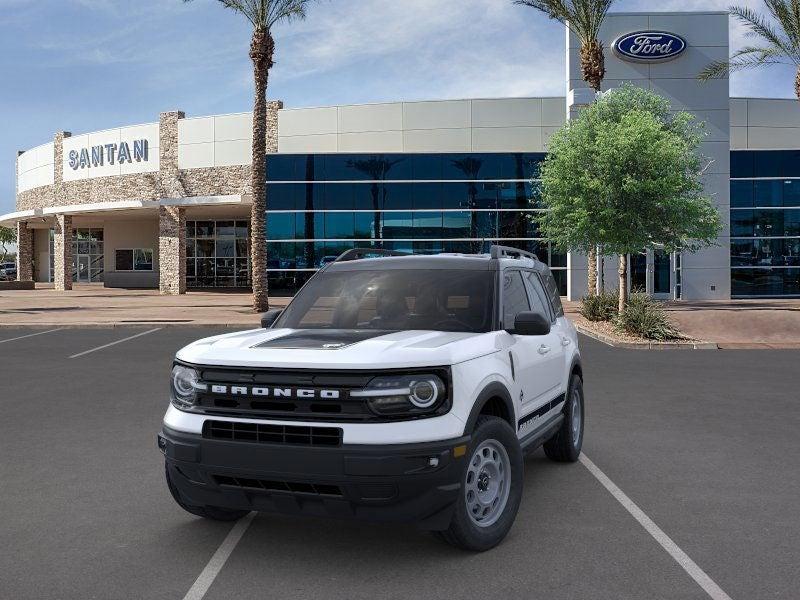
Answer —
83 268
651 272
638 270
662 271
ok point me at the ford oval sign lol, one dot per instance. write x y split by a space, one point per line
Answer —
649 46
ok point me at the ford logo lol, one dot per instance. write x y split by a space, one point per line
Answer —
649 46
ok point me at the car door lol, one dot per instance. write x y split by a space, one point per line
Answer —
529 353
555 356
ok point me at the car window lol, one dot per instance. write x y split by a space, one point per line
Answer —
538 296
515 298
552 291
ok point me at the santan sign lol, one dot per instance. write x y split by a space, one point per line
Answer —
97 156
649 46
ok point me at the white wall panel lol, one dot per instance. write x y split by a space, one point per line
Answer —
766 138
308 121
738 108
233 127
446 114
370 117
508 112
299 144
195 156
371 141
196 131
773 113
507 139
437 140
739 138
554 112
234 152
709 29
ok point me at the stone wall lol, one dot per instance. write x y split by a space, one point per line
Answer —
172 250
24 252
62 251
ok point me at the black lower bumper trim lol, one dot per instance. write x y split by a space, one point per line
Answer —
414 483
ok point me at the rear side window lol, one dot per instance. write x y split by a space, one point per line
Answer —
552 291
515 298
539 301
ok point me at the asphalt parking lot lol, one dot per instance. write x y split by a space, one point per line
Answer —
705 443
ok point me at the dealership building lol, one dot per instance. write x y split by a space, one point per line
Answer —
167 204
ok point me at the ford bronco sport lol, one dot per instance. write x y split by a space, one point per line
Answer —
391 388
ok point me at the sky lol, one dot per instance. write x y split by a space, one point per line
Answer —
86 65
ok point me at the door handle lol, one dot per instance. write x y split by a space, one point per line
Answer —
544 349
565 341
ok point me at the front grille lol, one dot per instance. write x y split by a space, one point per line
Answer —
315 489
263 433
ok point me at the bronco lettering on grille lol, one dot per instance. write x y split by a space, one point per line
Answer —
275 392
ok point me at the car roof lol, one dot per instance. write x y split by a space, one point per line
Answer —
465 262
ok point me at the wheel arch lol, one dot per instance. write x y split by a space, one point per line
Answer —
494 400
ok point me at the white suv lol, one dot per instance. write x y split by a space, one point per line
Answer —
391 388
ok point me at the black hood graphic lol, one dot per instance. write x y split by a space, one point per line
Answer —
323 339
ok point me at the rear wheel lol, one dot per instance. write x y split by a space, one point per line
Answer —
215 513
565 445
491 488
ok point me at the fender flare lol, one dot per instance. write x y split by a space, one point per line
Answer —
492 390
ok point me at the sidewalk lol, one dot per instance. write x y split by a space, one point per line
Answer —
90 305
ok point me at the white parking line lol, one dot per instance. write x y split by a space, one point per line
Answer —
22 337
688 565
214 566
115 343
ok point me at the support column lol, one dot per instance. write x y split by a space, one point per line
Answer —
171 250
62 250
24 252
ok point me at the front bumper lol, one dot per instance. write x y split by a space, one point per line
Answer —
413 483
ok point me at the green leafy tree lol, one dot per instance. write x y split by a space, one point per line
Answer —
263 15
584 19
8 236
778 40
626 174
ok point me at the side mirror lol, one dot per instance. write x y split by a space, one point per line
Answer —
531 323
269 317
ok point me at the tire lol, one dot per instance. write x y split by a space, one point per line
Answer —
565 445
482 532
215 513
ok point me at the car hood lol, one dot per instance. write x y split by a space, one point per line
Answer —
339 349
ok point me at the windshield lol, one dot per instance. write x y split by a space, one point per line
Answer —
394 300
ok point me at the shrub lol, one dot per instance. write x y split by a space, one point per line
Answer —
646 318
601 307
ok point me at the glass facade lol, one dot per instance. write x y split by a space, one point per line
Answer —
765 223
88 262
217 254
320 205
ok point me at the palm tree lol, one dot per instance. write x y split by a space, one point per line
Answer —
263 15
584 19
780 41
376 168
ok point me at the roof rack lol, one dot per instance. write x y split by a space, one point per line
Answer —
359 253
498 252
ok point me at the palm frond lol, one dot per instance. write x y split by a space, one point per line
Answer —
583 17
746 58
787 14
759 26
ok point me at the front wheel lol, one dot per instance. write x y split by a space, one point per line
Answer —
491 488
565 445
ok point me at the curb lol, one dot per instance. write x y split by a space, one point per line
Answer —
645 345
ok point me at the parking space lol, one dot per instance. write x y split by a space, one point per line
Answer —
703 442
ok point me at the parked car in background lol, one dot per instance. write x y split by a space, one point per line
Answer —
8 271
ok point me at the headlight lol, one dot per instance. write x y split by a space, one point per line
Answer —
397 395
185 385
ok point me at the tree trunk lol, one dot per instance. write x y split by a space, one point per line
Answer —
601 276
592 272
797 84
262 48
623 282
593 67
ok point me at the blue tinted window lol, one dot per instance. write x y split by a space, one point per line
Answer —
397 196
280 226
367 225
366 196
282 196
339 196
768 193
427 224
398 225
425 195
281 167
455 195
741 194
339 225
768 163
791 192
742 223
456 225
742 164
426 166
